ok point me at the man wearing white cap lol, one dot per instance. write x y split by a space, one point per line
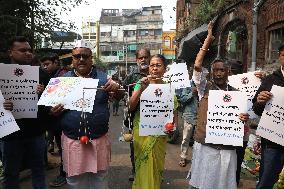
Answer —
86 163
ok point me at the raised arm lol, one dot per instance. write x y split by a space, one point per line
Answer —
202 52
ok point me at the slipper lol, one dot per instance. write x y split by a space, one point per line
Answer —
182 162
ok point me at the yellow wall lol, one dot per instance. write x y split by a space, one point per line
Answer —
168 46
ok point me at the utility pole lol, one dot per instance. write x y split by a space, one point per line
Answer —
126 58
256 6
98 39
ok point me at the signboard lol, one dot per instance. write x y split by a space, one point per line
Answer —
8 124
271 125
247 83
156 109
178 76
18 84
69 92
223 123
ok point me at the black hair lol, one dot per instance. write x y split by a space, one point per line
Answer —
143 49
164 60
20 39
225 62
281 48
236 66
48 56
56 57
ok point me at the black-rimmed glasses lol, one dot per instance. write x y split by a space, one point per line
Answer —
79 56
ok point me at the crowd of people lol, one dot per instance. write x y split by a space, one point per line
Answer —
85 165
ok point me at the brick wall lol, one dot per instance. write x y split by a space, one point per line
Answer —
271 16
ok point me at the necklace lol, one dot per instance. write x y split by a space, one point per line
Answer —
84 130
78 75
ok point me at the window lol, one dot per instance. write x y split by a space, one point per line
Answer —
158 32
143 33
151 32
129 33
105 34
276 38
167 42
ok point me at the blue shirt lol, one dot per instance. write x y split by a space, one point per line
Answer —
188 101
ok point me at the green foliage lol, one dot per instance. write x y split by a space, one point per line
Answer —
204 12
34 18
100 64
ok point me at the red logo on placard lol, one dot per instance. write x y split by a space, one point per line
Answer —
245 80
18 72
158 92
227 98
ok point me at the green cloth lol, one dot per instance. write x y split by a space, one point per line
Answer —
149 154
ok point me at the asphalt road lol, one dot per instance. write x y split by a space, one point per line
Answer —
174 175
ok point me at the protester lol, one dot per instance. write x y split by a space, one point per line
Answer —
142 60
272 154
213 166
236 67
115 102
51 64
188 100
28 143
86 163
149 150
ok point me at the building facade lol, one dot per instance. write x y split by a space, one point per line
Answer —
168 46
123 32
233 30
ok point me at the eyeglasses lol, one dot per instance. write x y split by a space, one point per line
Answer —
155 65
79 56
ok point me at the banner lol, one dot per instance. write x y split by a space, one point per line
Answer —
156 109
177 76
69 92
223 123
271 125
18 84
8 124
249 84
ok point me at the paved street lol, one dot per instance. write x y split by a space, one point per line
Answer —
121 166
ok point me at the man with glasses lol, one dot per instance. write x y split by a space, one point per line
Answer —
143 60
28 143
86 163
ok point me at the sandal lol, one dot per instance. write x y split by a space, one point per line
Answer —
182 162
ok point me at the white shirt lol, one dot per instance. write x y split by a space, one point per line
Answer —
199 79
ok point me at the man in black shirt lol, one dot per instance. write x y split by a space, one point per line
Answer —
28 143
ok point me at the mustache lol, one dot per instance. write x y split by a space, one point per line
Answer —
144 65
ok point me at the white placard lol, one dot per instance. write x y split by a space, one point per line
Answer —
223 123
8 124
249 84
69 92
156 109
178 76
271 125
18 84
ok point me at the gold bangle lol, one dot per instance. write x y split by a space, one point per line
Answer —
204 49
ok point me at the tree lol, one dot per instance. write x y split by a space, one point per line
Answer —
100 64
33 18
